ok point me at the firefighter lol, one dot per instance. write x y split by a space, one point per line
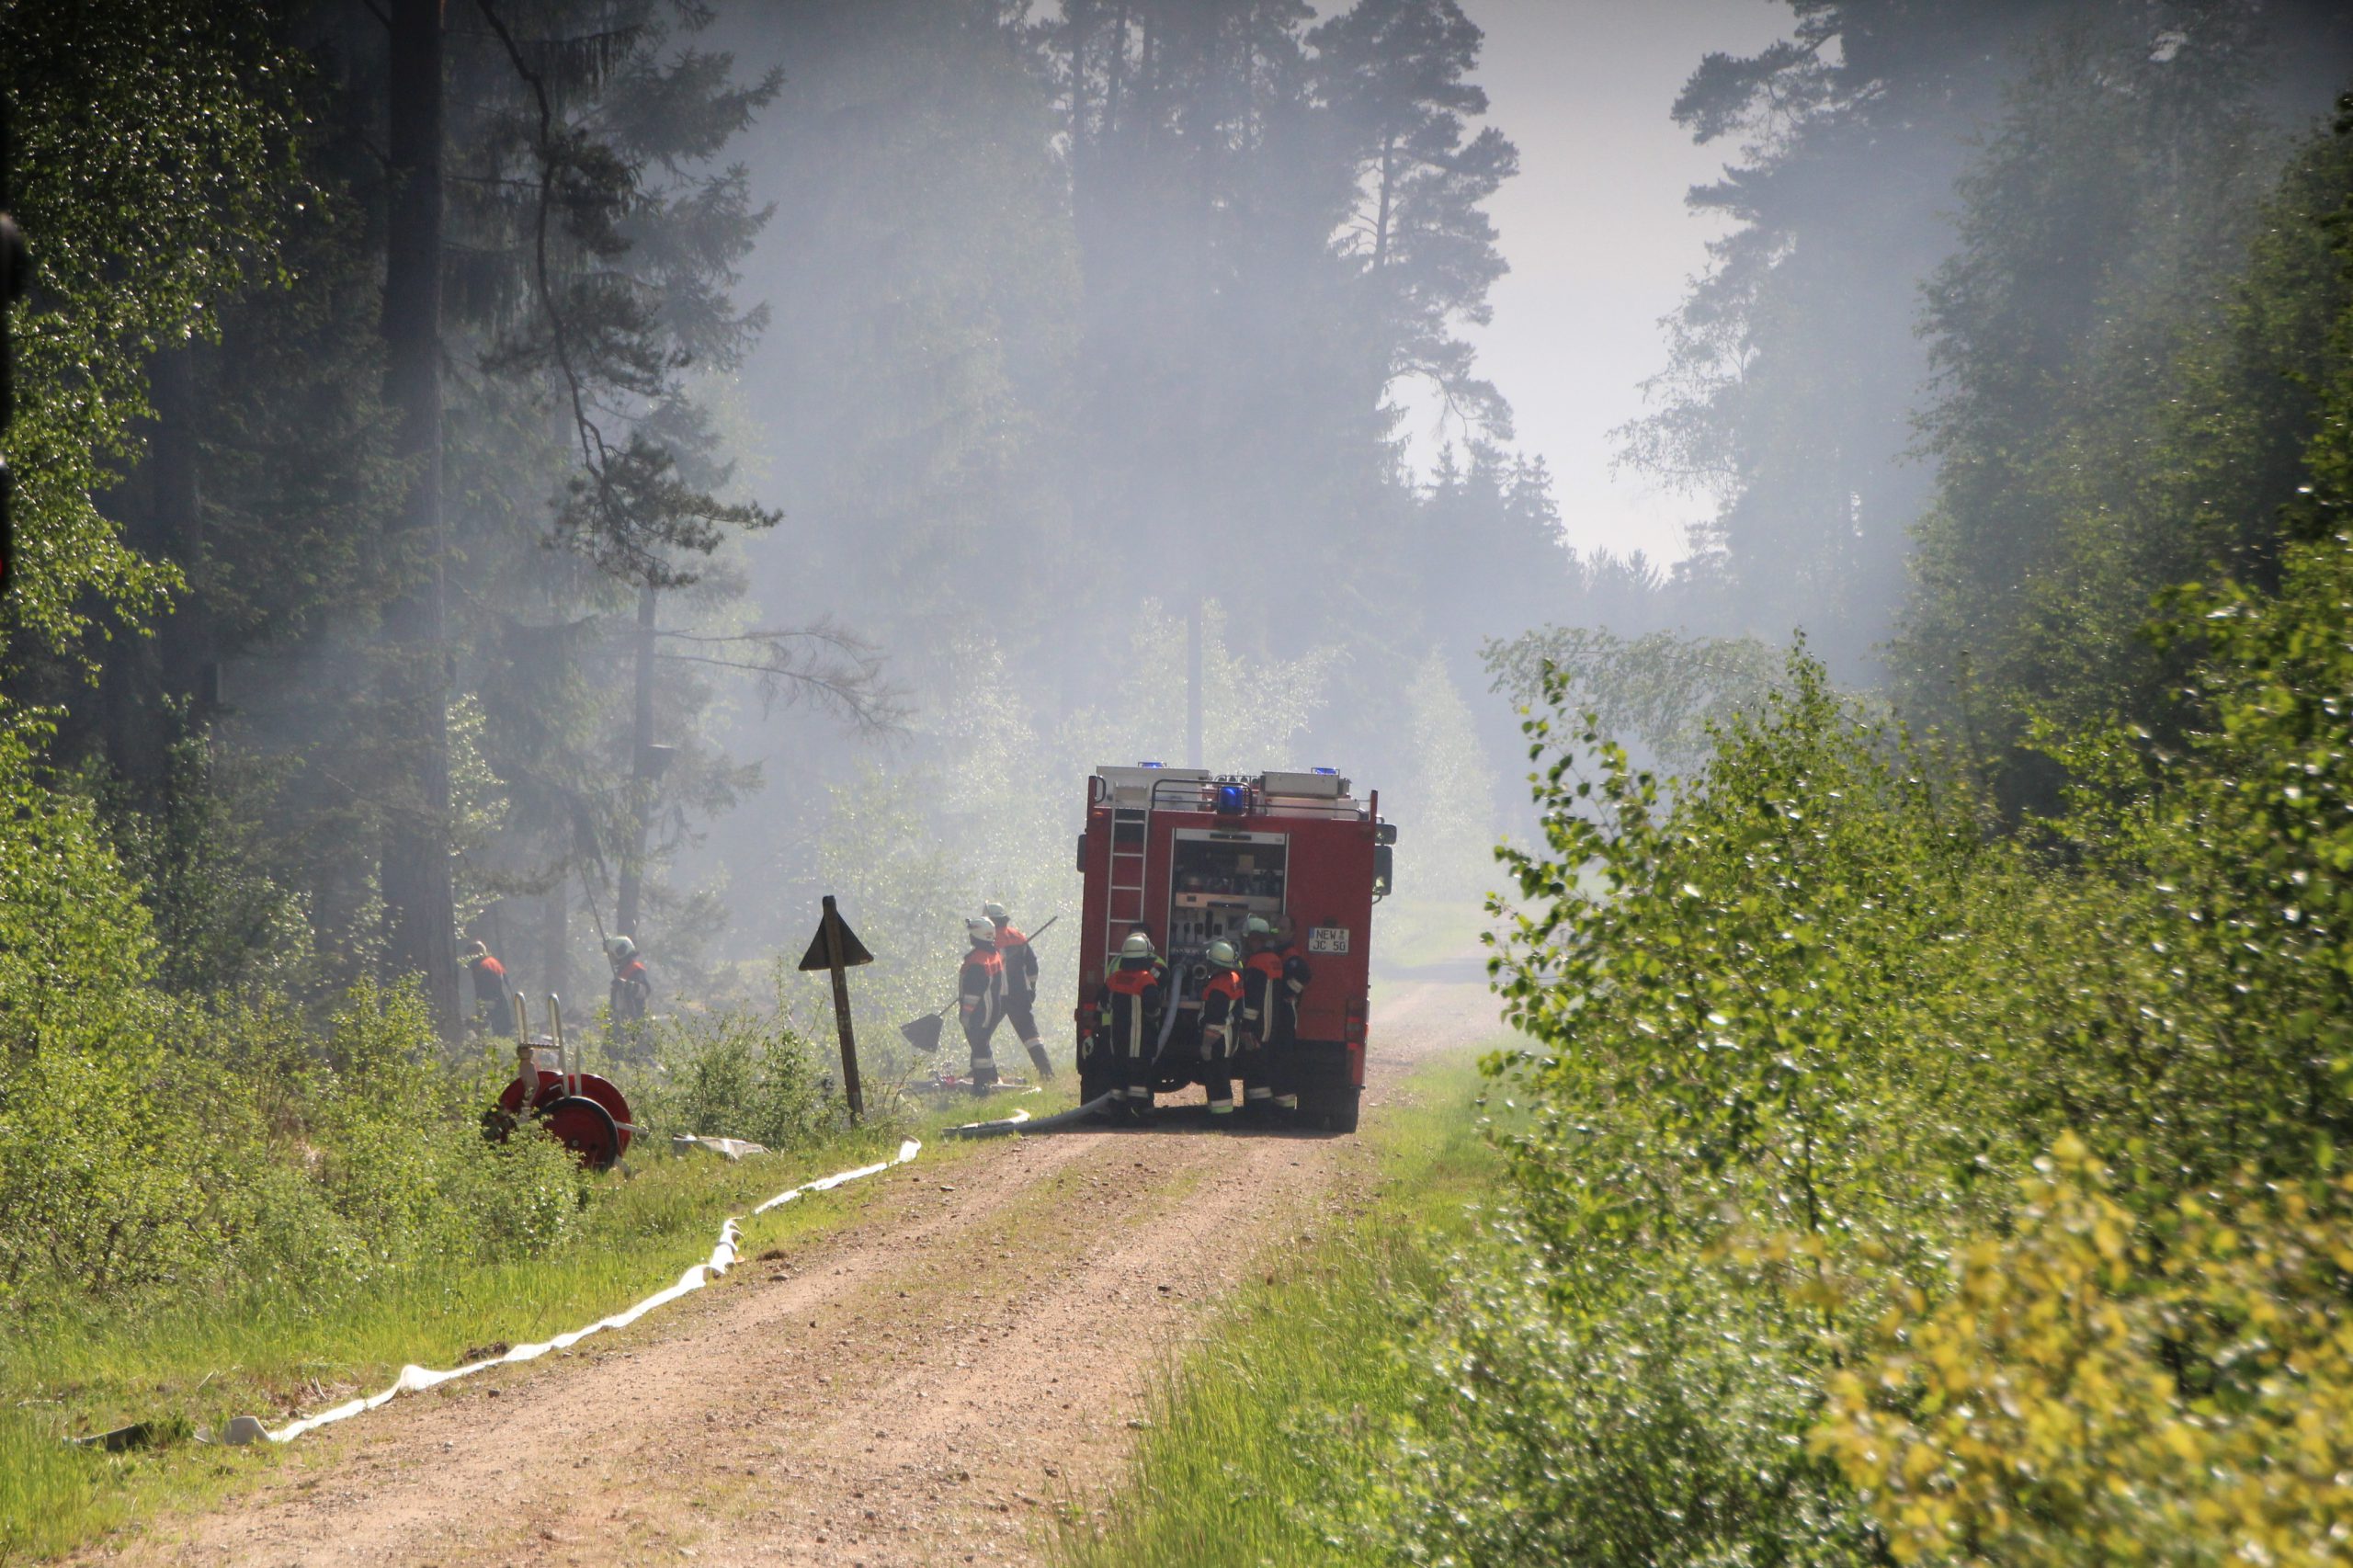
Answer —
981 997
1283 975
1250 1035
1130 1010
631 989
1159 966
1221 1019
489 977
1020 984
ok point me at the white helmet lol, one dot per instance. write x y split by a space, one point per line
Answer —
621 948
995 911
980 930
1220 953
1137 946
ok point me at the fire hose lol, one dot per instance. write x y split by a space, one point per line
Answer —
249 1428
1019 1121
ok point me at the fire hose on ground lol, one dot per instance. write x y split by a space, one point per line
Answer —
250 1429
245 1429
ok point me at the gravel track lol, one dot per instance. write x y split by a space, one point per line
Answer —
927 1385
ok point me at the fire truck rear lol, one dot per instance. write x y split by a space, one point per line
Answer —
1189 856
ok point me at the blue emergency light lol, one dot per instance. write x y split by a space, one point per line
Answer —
1325 772
1233 799
1152 765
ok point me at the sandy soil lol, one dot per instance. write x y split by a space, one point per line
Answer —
927 1386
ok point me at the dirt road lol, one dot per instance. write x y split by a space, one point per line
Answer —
926 1386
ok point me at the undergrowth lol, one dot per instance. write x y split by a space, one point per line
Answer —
318 1315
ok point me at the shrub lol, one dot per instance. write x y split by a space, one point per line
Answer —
98 1178
741 1074
2098 1388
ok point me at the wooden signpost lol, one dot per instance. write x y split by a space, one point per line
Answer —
836 948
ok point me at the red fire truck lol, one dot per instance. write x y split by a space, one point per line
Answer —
1190 855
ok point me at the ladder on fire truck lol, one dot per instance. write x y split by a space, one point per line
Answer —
1124 907
1131 847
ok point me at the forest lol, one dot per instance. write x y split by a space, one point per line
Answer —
529 472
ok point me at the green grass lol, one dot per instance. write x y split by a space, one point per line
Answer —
273 1355
1256 1444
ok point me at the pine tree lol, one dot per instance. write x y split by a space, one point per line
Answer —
1396 73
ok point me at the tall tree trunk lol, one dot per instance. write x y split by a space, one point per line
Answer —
187 633
641 772
160 521
416 889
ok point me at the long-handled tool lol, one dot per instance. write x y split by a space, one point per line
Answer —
924 1033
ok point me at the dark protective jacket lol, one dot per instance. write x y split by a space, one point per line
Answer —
1221 1004
631 991
1272 984
1129 1008
1020 963
490 986
980 990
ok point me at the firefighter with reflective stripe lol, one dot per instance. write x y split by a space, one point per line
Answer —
1220 1020
980 997
1257 1088
1288 978
1020 984
1130 1009
1159 965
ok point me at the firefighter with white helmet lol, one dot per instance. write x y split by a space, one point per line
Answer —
1020 984
631 989
980 997
1221 1019
1129 1026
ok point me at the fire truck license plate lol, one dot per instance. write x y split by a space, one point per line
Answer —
1328 939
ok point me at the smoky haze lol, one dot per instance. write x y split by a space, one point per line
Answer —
1075 341
1600 242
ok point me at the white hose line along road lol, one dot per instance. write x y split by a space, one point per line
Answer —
935 1384
415 1379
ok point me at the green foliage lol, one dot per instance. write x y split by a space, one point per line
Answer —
740 1074
1659 691
2178 1392
153 174
2134 339
278 1345
80 1038
224 927
1801 1028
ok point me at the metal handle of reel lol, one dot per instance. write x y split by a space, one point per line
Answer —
564 1070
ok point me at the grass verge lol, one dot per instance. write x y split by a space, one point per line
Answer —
1261 1438
277 1354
